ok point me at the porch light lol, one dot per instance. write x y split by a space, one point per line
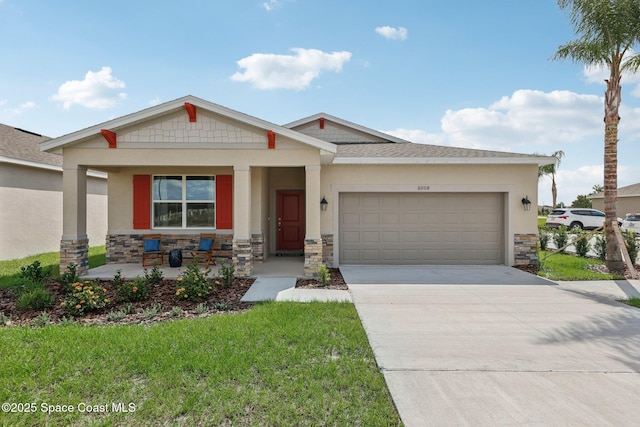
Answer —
323 204
526 203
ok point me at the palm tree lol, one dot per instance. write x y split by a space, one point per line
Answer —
607 32
550 170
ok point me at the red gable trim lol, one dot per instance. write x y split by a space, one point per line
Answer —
191 111
110 136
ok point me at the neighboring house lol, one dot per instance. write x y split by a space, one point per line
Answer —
190 166
31 197
628 200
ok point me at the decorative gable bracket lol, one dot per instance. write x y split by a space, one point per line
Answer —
271 138
191 111
321 122
110 137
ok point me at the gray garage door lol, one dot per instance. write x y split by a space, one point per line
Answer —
421 228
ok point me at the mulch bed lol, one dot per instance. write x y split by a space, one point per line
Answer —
221 300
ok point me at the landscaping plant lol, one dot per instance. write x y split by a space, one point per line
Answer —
544 238
132 290
600 247
560 237
226 274
154 277
193 284
582 245
85 297
324 275
630 240
32 292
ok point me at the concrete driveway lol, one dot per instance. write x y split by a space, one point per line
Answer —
520 352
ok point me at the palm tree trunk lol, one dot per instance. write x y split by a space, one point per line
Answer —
554 191
614 260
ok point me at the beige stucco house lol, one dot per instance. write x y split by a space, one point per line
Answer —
332 190
31 197
628 200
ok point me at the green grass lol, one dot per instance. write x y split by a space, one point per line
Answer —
277 364
10 269
634 302
571 267
542 221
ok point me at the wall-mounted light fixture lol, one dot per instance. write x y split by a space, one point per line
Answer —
323 204
526 203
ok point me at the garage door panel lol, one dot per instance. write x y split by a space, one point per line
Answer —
420 228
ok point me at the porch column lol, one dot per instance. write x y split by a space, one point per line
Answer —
242 252
74 246
312 238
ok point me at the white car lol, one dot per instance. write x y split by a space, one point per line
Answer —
631 223
575 218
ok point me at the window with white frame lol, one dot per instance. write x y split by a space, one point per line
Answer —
184 201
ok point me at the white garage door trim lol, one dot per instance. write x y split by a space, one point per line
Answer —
510 199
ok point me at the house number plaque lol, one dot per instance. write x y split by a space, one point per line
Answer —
423 187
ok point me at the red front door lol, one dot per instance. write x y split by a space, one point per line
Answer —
290 220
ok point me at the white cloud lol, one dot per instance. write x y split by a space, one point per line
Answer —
98 90
271 4
392 33
599 73
297 71
29 105
155 101
530 121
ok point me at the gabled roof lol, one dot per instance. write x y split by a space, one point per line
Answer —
632 190
411 153
22 147
375 133
175 105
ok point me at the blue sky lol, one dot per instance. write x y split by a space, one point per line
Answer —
461 72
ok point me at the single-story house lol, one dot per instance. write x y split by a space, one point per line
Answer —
628 200
335 191
31 195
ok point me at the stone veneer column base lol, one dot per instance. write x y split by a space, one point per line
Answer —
74 252
525 249
257 245
327 249
242 257
312 256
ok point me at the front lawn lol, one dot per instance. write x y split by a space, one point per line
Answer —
571 267
276 364
10 269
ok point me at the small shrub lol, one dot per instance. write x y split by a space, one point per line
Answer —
35 297
42 320
600 247
193 284
632 244
152 312
221 306
324 275
176 311
560 237
128 309
34 273
133 290
544 239
65 321
85 297
582 246
201 308
155 276
70 276
4 320
114 316
226 274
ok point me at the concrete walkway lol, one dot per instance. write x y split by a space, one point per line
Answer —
284 289
483 354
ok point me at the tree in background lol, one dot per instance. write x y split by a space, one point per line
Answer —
596 189
607 31
581 202
550 170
